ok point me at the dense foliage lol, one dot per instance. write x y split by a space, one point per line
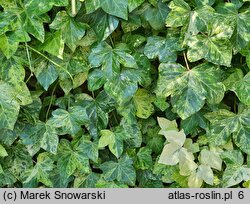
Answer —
124 93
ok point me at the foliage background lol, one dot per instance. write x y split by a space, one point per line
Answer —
125 93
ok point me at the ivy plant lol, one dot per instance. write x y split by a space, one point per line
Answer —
124 93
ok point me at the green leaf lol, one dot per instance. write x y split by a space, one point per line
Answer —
9 106
3 152
234 175
88 148
116 8
71 158
122 171
157 15
72 30
36 7
189 88
41 171
242 89
113 141
96 79
143 159
54 44
110 59
235 76
163 48
68 122
133 4
40 135
233 157
240 23
179 13
224 123
143 103
214 46
45 73
122 87
34 26
10 41
103 24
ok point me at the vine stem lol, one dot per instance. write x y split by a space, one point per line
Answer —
73 7
185 58
50 103
58 65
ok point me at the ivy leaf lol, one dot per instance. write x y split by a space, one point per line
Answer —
189 88
113 141
34 26
97 111
143 103
214 46
242 89
70 159
163 48
91 6
45 73
88 148
206 174
41 171
54 44
210 159
9 41
96 79
40 135
36 7
68 122
156 16
9 106
122 171
233 157
166 125
224 123
3 152
122 87
186 162
110 59
116 8
143 159
72 31
179 13
194 180
133 4
103 24
241 36
234 175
